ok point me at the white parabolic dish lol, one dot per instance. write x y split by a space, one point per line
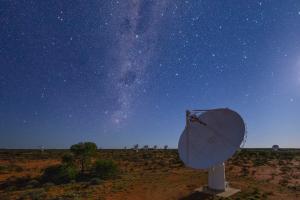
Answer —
211 140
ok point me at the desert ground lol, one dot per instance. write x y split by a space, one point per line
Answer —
151 174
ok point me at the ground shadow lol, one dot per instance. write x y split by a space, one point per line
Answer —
197 196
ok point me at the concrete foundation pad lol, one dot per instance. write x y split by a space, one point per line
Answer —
227 193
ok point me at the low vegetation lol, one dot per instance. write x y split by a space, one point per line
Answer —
105 169
85 172
77 166
60 174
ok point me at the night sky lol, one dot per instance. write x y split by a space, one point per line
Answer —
124 72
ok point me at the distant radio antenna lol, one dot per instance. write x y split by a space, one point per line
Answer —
136 147
146 147
210 138
275 147
42 148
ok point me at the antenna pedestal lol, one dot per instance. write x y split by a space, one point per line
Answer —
216 183
216 177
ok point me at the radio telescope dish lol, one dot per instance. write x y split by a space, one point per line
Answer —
209 139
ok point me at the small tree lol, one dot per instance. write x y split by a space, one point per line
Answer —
83 152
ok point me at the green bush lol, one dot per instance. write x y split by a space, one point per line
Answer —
60 174
105 169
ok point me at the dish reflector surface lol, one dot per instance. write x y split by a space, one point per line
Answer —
212 139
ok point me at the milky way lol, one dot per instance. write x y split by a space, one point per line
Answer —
136 25
124 72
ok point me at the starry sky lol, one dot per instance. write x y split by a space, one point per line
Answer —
124 72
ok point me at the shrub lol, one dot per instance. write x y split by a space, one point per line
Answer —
9 168
73 181
27 187
105 168
68 159
18 169
3 169
15 181
69 196
60 174
37 194
11 188
48 184
96 181
33 183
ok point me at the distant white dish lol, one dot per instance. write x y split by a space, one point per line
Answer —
275 147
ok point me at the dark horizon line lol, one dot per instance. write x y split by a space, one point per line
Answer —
131 148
